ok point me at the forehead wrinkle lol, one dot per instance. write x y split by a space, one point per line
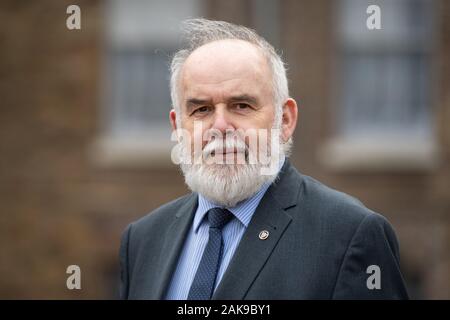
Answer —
220 79
222 90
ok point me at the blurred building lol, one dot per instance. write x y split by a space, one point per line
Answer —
85 138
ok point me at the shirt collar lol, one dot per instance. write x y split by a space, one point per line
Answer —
243 211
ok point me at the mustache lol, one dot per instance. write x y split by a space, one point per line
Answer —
224 146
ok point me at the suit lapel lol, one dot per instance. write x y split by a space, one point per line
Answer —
253 252
173 244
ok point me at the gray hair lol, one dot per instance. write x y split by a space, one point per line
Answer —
199 32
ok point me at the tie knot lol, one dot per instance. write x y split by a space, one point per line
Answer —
218 217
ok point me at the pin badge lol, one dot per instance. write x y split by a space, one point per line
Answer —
263 235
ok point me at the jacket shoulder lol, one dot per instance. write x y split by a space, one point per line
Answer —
332 205
159 217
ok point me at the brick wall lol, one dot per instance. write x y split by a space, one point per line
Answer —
59 208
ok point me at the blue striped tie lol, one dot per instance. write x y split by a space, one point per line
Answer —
203 285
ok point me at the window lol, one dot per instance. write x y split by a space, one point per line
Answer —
384 82
141 36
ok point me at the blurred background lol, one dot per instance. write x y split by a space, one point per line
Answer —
85 138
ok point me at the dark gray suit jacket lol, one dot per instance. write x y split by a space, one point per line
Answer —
320 244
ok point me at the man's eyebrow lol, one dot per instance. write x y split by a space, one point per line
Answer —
243 98
196 101
191 102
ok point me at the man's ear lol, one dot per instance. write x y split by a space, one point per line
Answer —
289 119
173 119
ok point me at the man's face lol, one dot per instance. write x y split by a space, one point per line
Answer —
226 85
228 113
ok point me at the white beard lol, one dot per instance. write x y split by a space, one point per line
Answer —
226 184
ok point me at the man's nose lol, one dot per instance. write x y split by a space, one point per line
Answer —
222 121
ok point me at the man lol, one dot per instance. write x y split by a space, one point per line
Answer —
253 226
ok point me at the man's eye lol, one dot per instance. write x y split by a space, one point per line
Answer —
242 106
201 110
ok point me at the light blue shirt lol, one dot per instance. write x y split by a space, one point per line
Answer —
198 238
